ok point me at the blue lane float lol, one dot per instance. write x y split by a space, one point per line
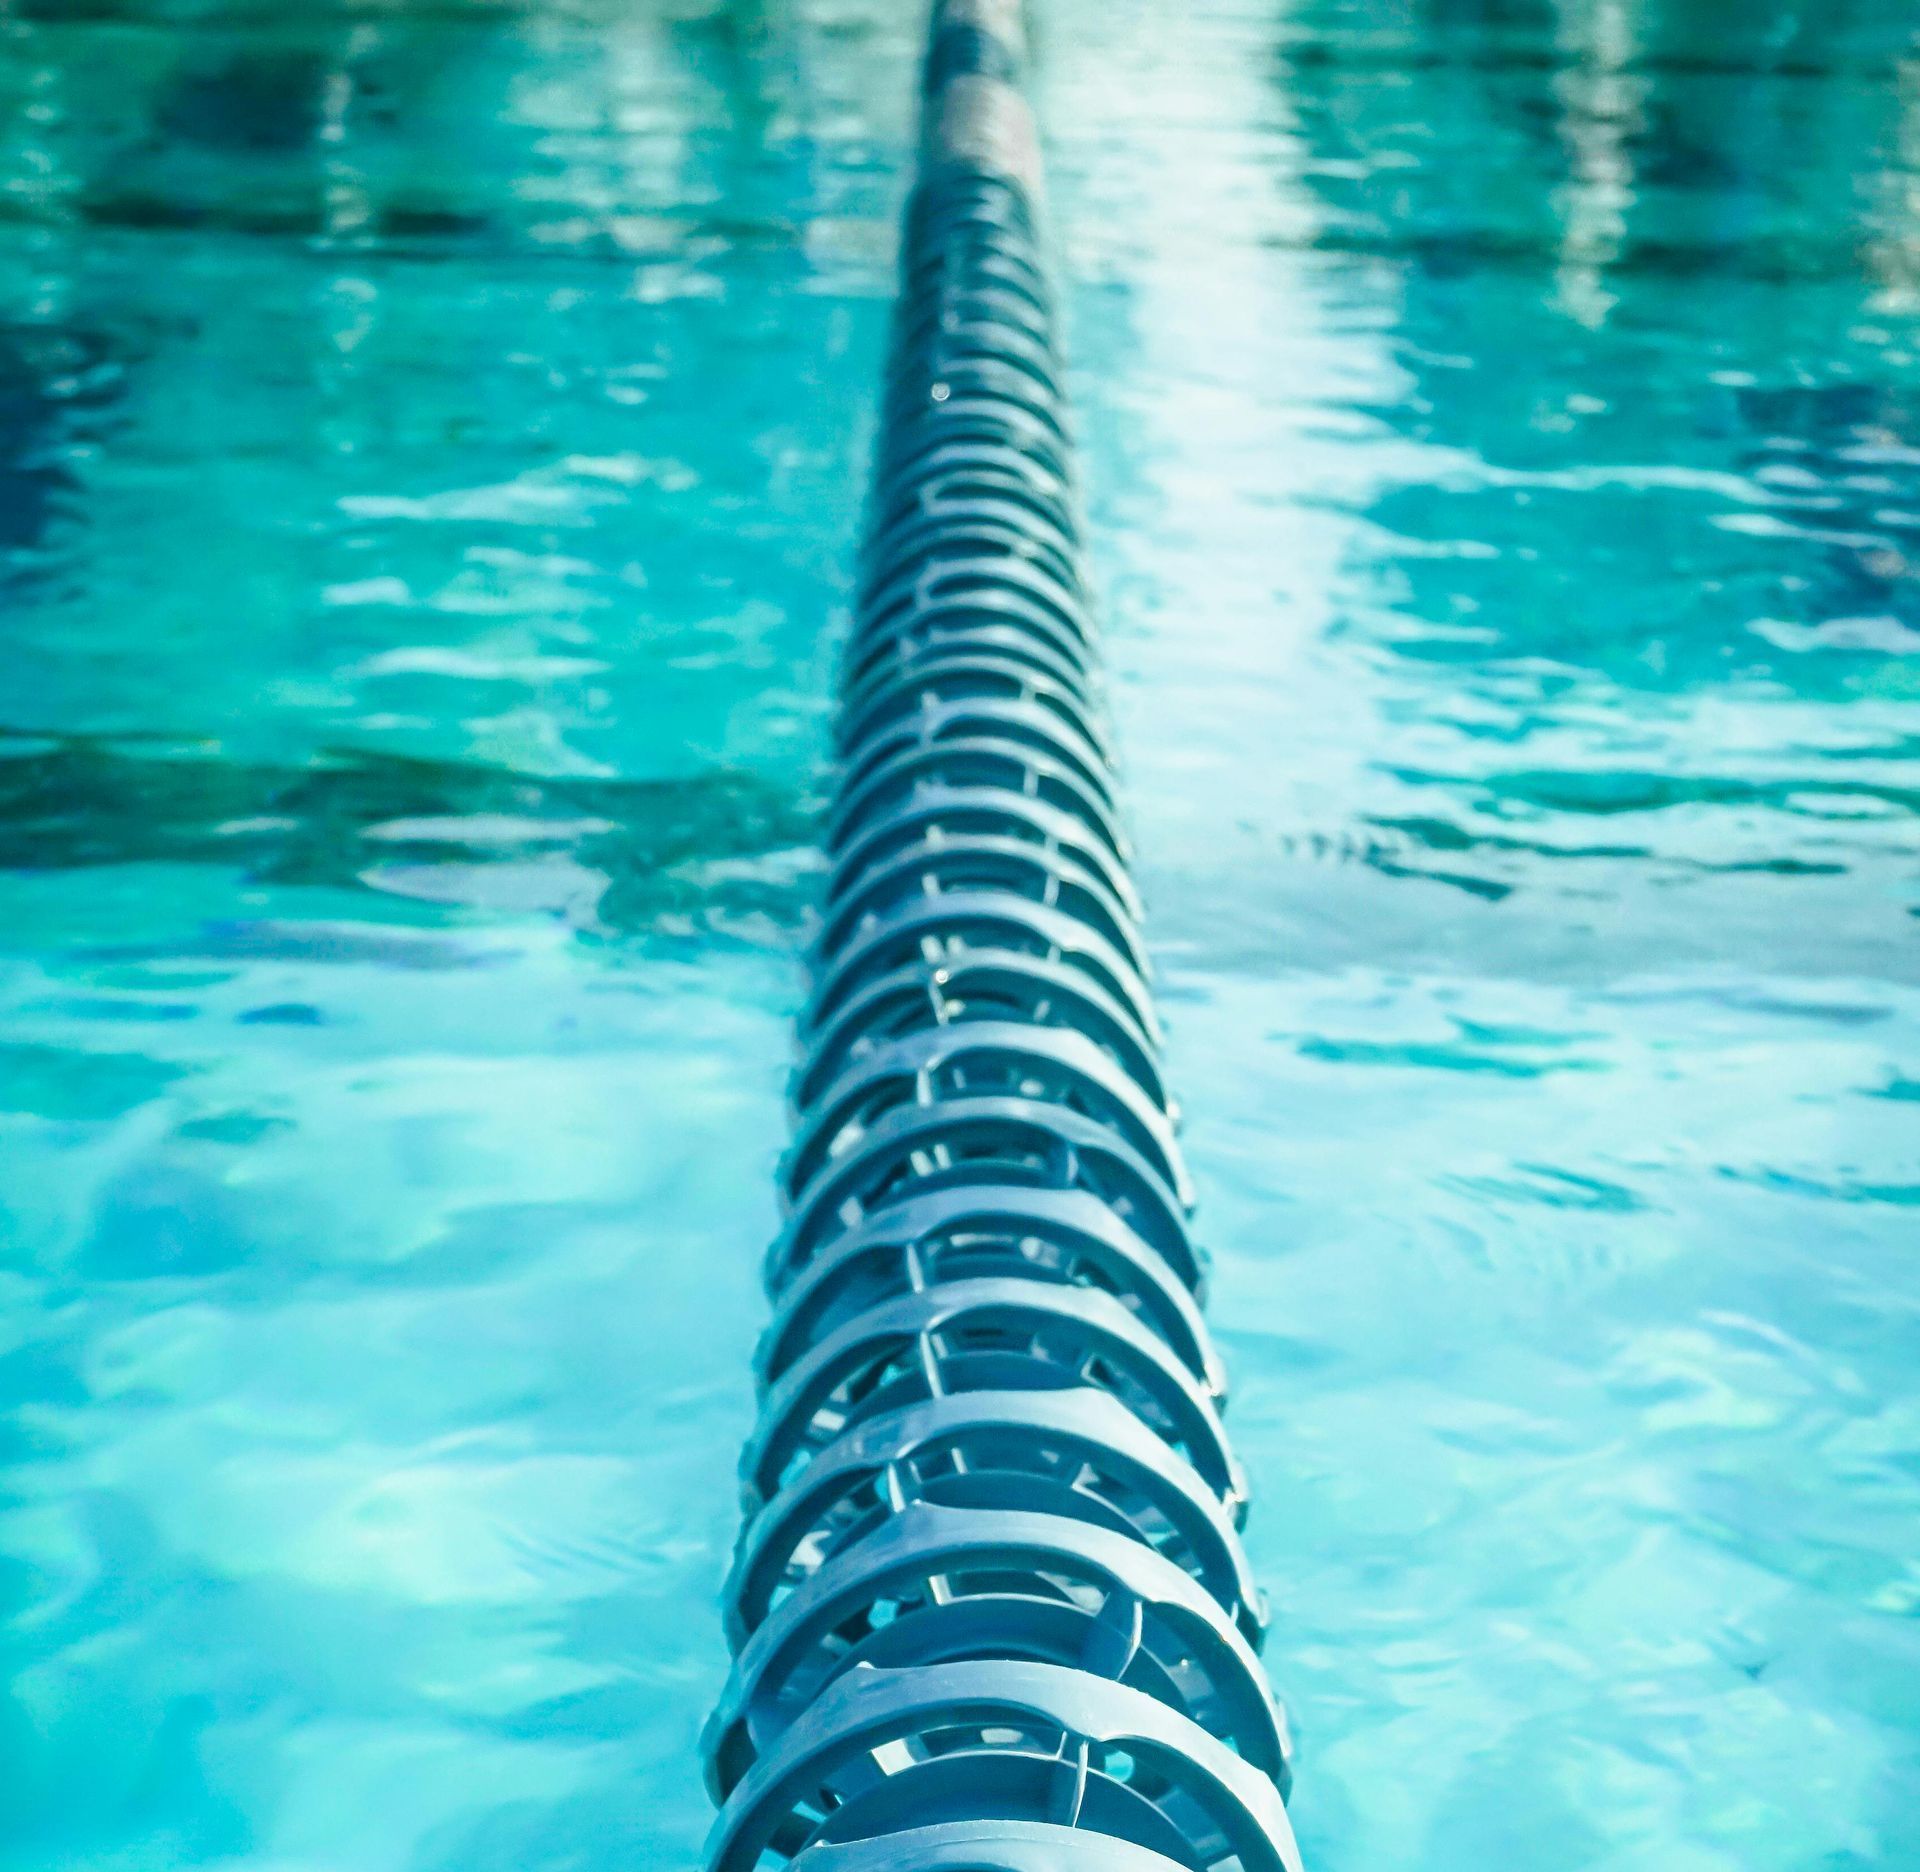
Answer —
989 1610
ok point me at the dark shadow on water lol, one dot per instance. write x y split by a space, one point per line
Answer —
266 102
52 384
1844 460
615 856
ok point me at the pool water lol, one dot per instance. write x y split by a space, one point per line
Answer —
431 437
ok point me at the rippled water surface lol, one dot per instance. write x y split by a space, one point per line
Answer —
430 446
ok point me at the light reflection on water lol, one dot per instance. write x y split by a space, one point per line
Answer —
430 446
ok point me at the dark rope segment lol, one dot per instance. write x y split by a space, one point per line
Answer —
990 1610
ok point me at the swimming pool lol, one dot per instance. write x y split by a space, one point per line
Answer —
430 446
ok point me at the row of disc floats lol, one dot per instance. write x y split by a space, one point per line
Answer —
990 1609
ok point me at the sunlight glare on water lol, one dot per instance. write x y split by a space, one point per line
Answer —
431 437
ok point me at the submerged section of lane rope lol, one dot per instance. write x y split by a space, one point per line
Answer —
990 1610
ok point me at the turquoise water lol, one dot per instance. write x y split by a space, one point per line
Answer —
430 446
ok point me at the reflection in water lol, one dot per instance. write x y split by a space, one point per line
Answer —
429 455
1603 428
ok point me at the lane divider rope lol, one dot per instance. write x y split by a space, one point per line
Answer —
989 1610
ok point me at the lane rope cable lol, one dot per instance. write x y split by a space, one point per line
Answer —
989 1610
